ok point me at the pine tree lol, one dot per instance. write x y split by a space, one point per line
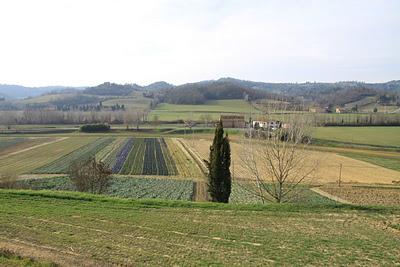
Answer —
219 176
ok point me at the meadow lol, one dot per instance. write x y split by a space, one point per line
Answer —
80 229
374 136
134 102
213 109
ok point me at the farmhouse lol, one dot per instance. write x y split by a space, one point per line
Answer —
233 121
271 125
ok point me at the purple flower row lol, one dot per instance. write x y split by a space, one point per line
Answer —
122 155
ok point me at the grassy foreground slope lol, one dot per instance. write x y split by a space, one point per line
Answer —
95 230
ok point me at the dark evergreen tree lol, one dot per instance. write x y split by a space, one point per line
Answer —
219 175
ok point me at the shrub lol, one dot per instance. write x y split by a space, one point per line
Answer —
90 176
8 181
91 128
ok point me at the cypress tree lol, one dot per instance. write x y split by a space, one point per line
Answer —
219 175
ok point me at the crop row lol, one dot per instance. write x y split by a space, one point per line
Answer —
185 166
148 156
134 163
150 164
122 155
171 165
114 149
61 165
103 154
151 156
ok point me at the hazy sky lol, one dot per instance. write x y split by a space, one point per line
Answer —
83 42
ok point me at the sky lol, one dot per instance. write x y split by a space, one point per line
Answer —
87 42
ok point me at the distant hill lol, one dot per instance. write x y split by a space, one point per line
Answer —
159 86
314 93
314 86
324 94
18 91
199 93
112 89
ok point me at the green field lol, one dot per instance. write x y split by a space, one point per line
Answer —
95 230
390 161
43 99
134 102
376 136
212 108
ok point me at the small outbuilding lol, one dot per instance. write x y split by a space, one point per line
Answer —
233 121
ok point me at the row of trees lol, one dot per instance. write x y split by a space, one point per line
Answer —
372 119
75 117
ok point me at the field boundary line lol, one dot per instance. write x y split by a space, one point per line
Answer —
33 147
332 197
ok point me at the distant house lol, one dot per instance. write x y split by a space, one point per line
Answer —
233 121
259 124
266 125
338 110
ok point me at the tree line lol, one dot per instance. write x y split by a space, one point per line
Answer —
44 116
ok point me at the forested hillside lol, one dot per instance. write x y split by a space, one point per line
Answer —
199 93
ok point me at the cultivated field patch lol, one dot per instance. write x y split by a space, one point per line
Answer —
156 157
122 187
62 164
367 194
140 156
15 144
29 160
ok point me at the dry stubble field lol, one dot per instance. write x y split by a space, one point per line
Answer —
353 171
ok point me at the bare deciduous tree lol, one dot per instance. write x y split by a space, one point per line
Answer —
8 181
90 176
278 163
